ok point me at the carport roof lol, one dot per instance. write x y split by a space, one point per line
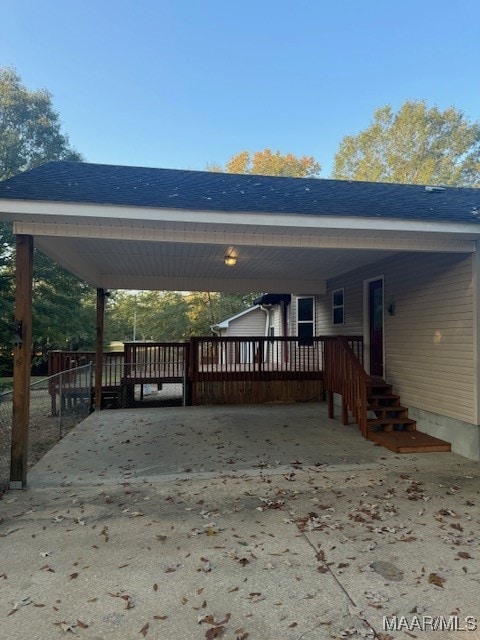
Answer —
138 228
80 182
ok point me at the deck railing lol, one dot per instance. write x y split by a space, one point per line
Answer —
338 360
254 358
155 360
345 375
113 362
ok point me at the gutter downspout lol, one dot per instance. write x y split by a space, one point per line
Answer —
268 310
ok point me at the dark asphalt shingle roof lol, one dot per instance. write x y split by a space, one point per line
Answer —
80 182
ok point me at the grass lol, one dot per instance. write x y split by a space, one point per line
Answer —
6 383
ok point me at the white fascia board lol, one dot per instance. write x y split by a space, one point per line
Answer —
317 239
13 208
179 283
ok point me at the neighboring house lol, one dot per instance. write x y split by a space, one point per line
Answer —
249 322
268 317
397 264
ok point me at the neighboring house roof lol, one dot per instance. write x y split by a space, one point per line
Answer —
224 323
273 298
79 182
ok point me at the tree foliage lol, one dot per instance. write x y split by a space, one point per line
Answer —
417 145
168 315
271 163
30 128
30 134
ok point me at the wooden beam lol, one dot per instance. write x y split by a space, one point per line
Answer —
331 411
99 348
22 360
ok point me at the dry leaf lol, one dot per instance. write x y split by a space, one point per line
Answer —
144 629
435 579
66 626
160 617
82 625
214 632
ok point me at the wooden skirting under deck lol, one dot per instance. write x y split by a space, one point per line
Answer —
256 392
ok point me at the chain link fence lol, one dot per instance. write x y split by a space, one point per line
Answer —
57 404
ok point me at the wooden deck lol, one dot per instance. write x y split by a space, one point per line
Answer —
216 370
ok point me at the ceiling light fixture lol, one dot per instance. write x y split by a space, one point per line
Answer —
230 260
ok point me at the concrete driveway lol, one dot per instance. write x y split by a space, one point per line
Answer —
258 523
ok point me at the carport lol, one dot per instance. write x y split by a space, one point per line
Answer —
136 228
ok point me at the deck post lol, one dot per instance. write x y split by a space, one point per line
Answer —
193 370
99 348
22 360
344 413
187 374
331 412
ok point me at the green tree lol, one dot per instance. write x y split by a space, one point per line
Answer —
207 308
169 315
63 309
147 315
30 128
417 145
30 134
270 163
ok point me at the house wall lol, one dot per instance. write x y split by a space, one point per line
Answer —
429 341
250 324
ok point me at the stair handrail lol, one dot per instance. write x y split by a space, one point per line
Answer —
345 375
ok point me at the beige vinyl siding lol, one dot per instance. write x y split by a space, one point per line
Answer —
429 342
276 320
352 307
250 324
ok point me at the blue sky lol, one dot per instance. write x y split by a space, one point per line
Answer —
178 84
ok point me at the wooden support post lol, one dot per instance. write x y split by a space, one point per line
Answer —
344 413
22 361
99 348
331 413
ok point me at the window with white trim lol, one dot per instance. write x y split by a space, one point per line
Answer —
305 319
338 307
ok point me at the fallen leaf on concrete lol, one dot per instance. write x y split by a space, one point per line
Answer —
435 579
47 567
214 632
22 603
66 627
144 629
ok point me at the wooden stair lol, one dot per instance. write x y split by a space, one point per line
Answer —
391 427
